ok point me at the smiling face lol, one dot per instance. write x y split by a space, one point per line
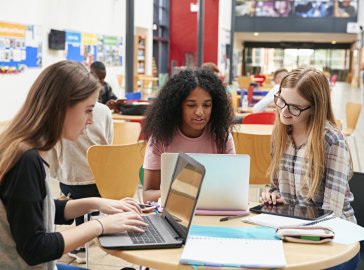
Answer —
196 112
292 97
78 117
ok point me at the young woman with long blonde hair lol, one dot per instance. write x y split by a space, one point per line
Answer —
311 162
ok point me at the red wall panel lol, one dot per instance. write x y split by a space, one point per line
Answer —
183 30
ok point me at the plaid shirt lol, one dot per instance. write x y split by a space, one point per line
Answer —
334 193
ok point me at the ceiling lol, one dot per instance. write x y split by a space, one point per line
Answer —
241 37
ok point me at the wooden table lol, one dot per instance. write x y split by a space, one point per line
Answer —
298 256
117 116
253 129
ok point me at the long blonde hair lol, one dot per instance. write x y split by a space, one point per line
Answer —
313 86
39 122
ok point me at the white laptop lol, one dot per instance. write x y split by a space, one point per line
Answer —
226 183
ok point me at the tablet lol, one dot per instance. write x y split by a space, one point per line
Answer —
294 211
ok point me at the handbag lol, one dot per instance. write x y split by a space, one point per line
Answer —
134 108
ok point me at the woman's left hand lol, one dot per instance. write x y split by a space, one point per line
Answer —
108 206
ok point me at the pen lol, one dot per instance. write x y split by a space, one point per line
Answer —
233 217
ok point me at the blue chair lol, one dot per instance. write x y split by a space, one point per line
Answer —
133 95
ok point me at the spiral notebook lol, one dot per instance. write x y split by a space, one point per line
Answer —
233 252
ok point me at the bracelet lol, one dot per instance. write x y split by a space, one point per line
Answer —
102 226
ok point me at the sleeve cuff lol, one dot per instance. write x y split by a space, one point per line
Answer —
59 218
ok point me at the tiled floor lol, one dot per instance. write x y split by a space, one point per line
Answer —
341 93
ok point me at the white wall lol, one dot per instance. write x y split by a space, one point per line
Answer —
93 16
224 35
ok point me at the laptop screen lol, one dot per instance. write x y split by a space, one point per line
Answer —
183 193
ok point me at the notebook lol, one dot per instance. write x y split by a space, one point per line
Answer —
233 252
170 228
340 226
225 174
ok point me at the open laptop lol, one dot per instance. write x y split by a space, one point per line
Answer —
170 228
226 183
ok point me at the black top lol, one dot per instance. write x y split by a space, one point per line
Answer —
106 93
23 192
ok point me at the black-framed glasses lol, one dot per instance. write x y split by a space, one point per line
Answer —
293 109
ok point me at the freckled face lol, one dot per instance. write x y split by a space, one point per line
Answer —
78 117
196 112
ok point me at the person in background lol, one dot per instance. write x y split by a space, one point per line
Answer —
59 105
106 96
268 100
69 165
211 67
311 161
191 114
344 9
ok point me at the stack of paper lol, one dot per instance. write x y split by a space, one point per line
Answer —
233 252
274 221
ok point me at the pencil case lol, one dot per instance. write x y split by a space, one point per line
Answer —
305 234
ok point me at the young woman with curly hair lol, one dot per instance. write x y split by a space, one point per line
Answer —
191 114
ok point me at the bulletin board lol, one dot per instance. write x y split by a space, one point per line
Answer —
20 47
88 47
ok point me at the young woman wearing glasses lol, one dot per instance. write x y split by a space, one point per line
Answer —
311 162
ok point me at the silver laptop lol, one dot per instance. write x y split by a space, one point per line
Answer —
226 182
170 228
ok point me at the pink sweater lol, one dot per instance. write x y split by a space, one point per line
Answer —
181 143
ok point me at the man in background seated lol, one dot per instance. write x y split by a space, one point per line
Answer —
269 98
106 94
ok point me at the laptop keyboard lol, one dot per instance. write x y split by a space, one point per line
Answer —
151 235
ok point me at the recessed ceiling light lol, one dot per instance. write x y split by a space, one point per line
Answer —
256 34
333 42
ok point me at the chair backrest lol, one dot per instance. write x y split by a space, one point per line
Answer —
257 146
126 132
352 114
244 82
357 188
265 118
116 168
259 78
234 100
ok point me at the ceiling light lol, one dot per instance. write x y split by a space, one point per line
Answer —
333 42
256 34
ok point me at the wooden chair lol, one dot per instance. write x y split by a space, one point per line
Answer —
257 146
265 118
116 168
352 116
126 132
234 100
244 82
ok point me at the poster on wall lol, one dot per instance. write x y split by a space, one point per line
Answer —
20 47
87 48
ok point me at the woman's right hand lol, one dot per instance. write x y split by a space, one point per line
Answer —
271 198
122 222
